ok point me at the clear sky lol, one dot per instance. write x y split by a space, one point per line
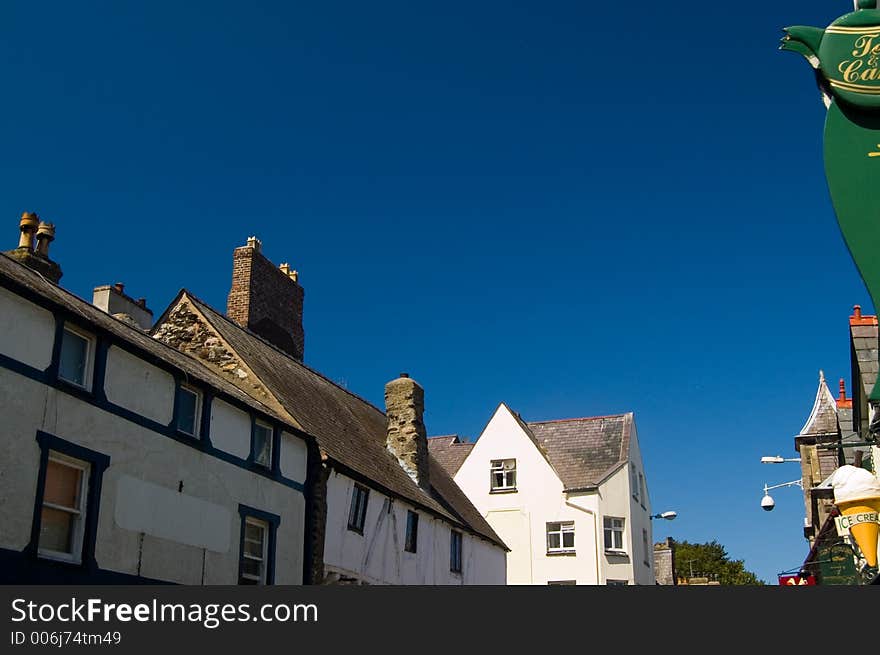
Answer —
575 208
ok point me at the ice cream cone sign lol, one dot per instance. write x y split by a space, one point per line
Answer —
857 496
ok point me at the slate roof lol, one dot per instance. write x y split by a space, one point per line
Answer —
584 451
449 451
823 417
350 430
33 282
863 335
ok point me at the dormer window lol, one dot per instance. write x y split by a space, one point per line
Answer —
503 475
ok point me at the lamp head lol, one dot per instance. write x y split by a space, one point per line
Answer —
767 503
777 459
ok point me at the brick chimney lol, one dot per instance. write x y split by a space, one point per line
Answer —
114 301
265 299
407 438
36 257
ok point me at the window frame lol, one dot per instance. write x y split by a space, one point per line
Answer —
263 559
561 583
633 482
565 527
89 356
644 498
456 555
496 467
411 537
197 413
271 523
616 583
80 513
614 530
98 463
357 511
261 424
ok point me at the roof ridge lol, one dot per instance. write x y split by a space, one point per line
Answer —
582 418
282 352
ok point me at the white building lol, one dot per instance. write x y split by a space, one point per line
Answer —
568 497
126 461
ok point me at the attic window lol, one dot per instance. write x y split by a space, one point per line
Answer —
502 476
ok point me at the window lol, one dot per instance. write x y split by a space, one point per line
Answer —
412 532
262 444
633 481
617 583
614 534
455 552
560 537
62 516
75 362
503 475
357 515
189 407
645 546
561 583
642 489
256 558
253 552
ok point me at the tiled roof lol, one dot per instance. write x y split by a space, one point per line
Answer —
823 417
349 429
449 451
584 451
36 284
863 333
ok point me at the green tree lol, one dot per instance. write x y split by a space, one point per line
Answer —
710 560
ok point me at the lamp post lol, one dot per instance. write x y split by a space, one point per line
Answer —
664 515
778 459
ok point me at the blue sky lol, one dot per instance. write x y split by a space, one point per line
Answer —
574 208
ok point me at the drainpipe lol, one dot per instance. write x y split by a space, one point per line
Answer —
595 534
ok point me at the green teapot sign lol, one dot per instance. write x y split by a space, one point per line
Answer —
846 59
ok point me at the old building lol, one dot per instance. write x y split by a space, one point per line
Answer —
383 511
569 497
125 460
201 450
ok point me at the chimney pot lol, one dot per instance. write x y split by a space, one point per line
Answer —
404 375
255 243
28 226
45 236
119 287
857 311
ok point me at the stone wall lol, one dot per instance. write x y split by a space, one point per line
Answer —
407 438
187 331
664 563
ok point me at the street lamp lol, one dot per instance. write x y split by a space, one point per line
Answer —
767 502
664 515
778 459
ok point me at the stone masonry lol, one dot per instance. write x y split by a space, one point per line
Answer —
267 300
407 438
186 330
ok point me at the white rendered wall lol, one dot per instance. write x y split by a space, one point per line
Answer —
230 429
138 386
521 518
378 556
28 331
165 553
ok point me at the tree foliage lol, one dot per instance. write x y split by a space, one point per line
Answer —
710 560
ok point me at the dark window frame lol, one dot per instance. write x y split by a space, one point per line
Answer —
98 463
357 513
272 521
411 542
455 554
